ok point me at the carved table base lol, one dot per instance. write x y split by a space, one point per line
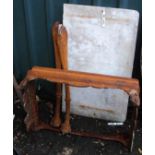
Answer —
77 79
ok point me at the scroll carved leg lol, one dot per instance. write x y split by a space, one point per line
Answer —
135 99
66 128
30 106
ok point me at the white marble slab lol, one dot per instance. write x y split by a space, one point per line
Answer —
101 40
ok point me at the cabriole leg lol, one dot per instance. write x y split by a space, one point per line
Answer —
66 128
56 120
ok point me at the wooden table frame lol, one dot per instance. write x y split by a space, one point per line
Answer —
60 76
78 79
